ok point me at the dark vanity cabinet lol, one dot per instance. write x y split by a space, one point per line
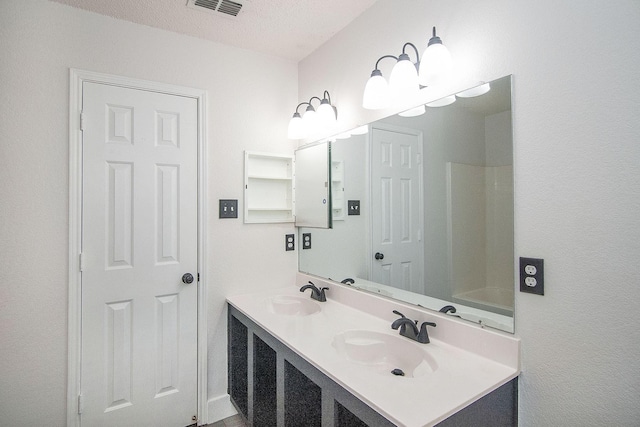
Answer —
271 385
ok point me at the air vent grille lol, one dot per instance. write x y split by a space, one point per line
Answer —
225 7
207 4
230 7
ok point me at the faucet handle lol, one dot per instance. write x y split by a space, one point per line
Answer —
398 313
423 336
321 295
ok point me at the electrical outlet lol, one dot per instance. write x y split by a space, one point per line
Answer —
532 275
306 240
228 208
353 207
289 242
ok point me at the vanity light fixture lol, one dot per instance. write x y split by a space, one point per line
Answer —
436 62
296 125
310 117
376 93
311 121
407 77
403 82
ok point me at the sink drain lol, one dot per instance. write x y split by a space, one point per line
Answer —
398 372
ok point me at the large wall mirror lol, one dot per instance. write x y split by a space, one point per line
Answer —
433 224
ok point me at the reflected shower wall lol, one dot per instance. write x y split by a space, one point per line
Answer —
480 235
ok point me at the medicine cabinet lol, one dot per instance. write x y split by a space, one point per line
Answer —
282 188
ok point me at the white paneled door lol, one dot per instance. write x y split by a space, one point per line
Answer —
396 209
139 246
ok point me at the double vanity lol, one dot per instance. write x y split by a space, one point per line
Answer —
294 360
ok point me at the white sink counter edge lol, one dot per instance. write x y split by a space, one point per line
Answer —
472 362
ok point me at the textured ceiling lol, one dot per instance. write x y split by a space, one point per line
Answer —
290 29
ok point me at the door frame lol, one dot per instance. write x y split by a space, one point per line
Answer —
74 357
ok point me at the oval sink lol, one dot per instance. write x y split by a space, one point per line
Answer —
384 353
293 306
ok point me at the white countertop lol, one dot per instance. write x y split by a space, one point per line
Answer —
471 362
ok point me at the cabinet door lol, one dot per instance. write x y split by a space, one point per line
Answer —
238 365
264 384
312 184
302 399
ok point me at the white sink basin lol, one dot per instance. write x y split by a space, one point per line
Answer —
293 306
385 352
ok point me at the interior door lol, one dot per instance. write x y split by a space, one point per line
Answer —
139 258
396 209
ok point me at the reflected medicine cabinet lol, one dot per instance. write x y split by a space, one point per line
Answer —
271 184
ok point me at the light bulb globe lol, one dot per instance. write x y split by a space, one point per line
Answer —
296 127
436 65
376 92
403 82
326 114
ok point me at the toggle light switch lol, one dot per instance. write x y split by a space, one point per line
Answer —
228 208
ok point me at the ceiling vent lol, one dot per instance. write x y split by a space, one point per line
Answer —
226 8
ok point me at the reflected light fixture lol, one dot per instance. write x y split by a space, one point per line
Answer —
360 130
475 91
413 112
442 102
311 121
436 63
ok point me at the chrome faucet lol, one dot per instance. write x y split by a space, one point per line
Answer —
316 294
409 328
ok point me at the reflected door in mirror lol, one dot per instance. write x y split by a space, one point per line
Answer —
396 213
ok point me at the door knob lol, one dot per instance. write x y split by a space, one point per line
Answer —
187 278
378 255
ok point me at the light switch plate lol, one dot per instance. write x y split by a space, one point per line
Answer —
228 208
353 207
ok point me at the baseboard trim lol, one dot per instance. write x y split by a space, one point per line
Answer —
220 407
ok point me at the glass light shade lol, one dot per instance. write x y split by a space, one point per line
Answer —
447 100
310 120
475 91
376 92
326 114
417 111
296 127
436 65
403 81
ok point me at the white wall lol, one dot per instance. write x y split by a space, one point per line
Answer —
39 42
577 169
